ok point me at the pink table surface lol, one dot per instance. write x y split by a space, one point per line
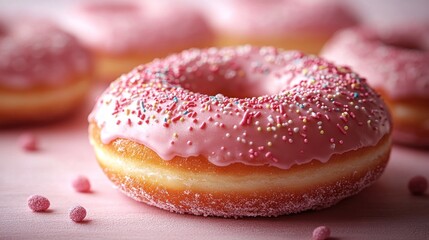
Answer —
385 210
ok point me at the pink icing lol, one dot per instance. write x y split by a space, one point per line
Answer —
35 52
307 108
385 58
138 28
275 18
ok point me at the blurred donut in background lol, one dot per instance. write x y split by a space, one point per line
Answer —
44 72
123 35
287 24
395 62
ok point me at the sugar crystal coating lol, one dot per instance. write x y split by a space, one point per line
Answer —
321 233
28 142
418 185
77 214
38 203
81 184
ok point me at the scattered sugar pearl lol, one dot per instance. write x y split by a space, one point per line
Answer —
77 214
28 142
81 184
38 203
321 233
418 185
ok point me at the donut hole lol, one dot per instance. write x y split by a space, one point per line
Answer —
407 44
112 7
228 84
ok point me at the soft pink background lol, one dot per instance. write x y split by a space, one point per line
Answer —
386 210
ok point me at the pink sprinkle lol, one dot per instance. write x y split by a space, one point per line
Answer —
418 185
28 142
81 184
77 214
246 118
321 233
38 203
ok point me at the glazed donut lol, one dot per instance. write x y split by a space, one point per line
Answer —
44 72
123 35
395 62
242 131
287 24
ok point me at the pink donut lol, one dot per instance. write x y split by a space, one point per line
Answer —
395 63
123 35
44 71
232 132
288 24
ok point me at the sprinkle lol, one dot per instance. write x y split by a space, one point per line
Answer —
174 119
28 142
142 106
418 185
38 203
189 142
341 129
321 233
246 118
77 214
81 184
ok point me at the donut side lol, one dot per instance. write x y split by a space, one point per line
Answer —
411 119
310 44
396 67
41 104
195 186
108 66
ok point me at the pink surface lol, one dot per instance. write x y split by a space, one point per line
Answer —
384 211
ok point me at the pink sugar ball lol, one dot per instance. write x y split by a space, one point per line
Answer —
321 233
38 203
81 184
418 185
28 142
77 214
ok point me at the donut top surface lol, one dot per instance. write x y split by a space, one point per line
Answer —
148 27
256 106
34 52
396 61
274 18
